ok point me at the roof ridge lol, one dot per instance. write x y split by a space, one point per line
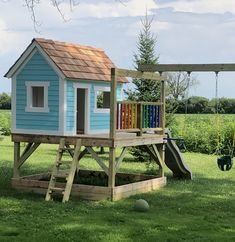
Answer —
67 44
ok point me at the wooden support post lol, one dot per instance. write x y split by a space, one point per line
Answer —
113 104
72 171
16 170
112 164
160 156
163 107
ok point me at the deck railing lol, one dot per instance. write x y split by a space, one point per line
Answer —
138 116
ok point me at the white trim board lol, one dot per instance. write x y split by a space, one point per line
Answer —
102 89
13 103
29 101
26 56
62 105
87 88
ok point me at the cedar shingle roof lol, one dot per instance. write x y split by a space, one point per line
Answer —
77 61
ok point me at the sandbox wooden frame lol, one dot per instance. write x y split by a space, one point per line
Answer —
143 183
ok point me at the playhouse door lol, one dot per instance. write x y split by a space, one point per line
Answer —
81 100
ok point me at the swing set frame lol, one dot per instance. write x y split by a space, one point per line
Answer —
189 68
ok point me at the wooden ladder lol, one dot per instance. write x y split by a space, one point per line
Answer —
56 172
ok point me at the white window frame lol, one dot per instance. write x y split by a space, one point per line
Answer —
100 110
29 107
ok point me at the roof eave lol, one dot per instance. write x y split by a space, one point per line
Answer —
23 57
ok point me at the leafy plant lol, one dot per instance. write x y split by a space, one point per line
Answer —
205 133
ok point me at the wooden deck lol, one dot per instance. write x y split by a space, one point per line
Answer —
101 140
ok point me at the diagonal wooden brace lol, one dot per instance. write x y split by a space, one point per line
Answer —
97 158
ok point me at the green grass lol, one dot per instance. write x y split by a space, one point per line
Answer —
5 118
198 210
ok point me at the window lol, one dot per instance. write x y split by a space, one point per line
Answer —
37 97
102 99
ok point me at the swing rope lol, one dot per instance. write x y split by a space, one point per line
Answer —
217 116
224 162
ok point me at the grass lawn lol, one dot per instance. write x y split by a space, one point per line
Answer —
5 118
198 210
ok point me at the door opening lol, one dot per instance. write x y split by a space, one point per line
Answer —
81 112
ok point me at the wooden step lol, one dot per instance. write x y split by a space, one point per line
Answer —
61 175
67 174
57 189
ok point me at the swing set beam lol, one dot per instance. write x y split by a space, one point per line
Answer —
187 67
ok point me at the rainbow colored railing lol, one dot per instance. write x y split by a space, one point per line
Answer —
138 116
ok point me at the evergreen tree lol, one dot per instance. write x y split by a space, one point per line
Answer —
145 90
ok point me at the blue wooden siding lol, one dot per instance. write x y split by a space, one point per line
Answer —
98 121
37 69
70 126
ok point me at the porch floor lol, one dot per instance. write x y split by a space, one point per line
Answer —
102 140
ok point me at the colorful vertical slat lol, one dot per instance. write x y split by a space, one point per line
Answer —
128 115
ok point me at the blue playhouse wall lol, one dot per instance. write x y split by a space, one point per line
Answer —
98 121
37 69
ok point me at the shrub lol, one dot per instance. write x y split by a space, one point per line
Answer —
5 131
205 133
5 121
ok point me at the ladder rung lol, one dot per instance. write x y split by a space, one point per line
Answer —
60 175
57 189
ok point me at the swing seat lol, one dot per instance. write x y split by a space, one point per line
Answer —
182 146
225 162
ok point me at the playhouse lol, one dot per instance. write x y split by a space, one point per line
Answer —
72 95
61 89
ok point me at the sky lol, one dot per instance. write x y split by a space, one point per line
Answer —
187 31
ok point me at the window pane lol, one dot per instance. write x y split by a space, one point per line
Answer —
38 97
106 100
103 99
100 99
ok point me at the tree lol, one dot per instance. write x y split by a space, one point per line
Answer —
144 90
197 104
179 83
5 101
